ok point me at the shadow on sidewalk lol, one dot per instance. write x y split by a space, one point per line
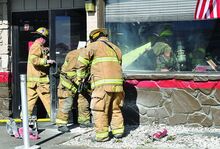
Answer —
48 139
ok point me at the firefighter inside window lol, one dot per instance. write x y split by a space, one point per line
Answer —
203 56
165 60
194 45
155 52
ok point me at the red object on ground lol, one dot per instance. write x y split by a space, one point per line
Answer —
160 134
31 135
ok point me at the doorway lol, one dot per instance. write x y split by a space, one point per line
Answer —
23 23
66 29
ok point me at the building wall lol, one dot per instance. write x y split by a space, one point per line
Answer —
5 75
5 52
36 5
198 107
4 37
92 22
192 105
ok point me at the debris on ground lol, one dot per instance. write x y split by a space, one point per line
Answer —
18 132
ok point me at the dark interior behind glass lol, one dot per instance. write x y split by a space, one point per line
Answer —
192 43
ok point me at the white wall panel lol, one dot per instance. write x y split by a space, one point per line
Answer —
149 10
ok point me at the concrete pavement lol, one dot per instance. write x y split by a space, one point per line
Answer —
136 137
50 138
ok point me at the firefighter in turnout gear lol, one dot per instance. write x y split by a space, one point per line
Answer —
67 93
166 60
106 82
38 71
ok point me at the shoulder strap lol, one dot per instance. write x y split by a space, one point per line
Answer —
111 48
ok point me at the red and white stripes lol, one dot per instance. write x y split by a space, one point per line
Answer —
207 9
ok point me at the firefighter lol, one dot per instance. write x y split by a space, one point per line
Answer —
67 93
165 60
106 83
198 57
38 71
144 57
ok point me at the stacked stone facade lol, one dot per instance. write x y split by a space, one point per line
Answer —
5 77
172 106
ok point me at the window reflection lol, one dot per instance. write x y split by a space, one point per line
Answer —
168 46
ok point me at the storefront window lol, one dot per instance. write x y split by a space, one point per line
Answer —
155 40
168 46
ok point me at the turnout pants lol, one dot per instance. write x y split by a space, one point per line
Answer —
35 91
66 99
65 105
83 109
106 112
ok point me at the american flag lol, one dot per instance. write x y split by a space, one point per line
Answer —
207 9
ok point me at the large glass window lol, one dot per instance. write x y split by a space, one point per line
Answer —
165 45
168 46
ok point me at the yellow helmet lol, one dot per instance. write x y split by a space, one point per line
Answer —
97 32
161 47
42 31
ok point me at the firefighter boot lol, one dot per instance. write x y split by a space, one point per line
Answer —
102 139
118 136
86 125
63 129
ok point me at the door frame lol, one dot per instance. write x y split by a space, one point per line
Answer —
53 70
16 61
53 79
16 102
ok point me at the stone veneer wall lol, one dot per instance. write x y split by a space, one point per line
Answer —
5 95
193 107
5 83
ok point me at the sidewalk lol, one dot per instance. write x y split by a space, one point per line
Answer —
50 138
136 137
